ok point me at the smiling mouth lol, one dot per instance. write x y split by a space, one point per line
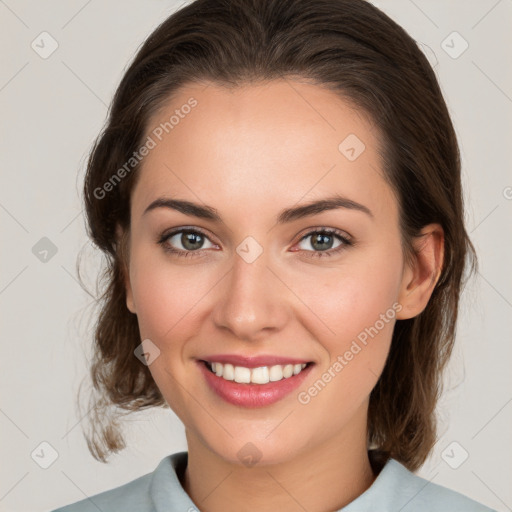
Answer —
259 375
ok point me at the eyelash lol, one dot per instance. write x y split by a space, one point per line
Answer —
346 242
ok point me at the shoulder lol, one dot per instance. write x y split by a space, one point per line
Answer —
133 495
136 496
397 488
427 495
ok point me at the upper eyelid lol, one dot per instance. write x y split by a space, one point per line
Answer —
169 233
331 231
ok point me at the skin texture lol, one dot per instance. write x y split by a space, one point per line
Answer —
250 153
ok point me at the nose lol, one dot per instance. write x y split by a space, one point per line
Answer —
252 302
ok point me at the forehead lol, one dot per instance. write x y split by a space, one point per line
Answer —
261 144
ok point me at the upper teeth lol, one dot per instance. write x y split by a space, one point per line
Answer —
261 375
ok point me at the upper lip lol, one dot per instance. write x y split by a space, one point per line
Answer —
252 361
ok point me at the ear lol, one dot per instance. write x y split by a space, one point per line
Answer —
420 276
123 240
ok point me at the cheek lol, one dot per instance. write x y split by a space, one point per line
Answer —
350 299
167 298
167 295
161 300
360 308
357 304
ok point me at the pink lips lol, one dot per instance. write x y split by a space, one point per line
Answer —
253 395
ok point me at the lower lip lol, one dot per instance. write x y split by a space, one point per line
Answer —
253 395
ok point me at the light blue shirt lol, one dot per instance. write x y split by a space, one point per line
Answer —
395 489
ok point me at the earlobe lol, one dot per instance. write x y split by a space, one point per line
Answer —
122 252
129 296
422 273
129 303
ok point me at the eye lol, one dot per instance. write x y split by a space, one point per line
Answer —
190 240
322 241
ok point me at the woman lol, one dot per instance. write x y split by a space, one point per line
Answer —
278 194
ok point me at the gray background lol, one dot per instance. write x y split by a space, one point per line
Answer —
53 107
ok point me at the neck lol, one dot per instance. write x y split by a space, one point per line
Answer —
326 477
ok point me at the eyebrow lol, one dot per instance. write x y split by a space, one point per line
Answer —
287 215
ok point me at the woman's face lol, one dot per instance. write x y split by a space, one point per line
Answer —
256 281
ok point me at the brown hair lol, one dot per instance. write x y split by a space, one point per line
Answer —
358 52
